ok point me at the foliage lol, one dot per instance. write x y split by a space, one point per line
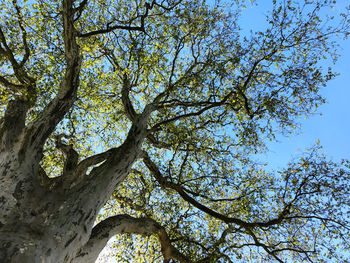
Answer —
219 95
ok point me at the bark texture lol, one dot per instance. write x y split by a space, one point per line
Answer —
50 220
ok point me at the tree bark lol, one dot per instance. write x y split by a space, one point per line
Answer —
123 224
45 221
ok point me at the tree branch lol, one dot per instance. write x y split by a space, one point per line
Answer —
14 88
95 190
123 224
79 10
18 68
53 113
265 247
129 109
179 189
109 28
85 164
13 122
24 34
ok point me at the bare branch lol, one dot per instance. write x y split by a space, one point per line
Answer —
167 8
265 247
211 105
110 29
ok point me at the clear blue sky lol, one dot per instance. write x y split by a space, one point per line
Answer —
333 127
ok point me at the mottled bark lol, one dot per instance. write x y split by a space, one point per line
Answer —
52 221
123 224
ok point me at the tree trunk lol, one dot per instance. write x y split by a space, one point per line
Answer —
47 219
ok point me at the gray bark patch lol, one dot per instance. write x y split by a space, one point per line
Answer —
70 240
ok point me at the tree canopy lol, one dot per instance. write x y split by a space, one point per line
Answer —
79 78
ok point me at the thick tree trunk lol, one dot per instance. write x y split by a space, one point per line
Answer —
40 225
31 227
30 245
49 220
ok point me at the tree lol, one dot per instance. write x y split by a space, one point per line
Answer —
153 111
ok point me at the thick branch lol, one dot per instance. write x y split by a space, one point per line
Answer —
54 112
71 156
79 10
13 122
122 224
24 33
78 170
128 107
12 86
85 164
94 190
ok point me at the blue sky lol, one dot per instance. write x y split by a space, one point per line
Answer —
332 128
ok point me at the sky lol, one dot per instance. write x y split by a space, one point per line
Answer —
332 128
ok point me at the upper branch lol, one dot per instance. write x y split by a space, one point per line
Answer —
129 109
110 28
13 122
5 50
182 192
126 25
13 87
79 10
70 154
121 224
208 106
24 33
53 113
